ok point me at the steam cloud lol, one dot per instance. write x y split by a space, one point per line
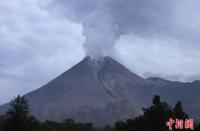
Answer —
105 21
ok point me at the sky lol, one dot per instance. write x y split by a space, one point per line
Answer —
41 39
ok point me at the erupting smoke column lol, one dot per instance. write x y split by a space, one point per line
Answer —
100 33
105 21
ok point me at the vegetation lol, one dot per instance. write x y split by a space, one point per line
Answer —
18 118
154 118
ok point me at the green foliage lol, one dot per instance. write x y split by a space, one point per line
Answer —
108 128
18 118
156 100
197 128
67 125
1 122
178 111
154 118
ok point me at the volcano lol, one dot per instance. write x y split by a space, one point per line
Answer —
103 91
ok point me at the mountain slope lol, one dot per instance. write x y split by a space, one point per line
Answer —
103 91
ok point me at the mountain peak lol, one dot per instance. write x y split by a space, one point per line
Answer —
104 63
98 60
101 91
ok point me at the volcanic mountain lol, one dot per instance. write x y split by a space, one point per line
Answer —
103 91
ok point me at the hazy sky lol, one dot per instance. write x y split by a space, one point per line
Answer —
41 39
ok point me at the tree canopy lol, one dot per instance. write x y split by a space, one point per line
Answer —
154 118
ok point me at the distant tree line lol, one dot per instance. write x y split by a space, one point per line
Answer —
154 118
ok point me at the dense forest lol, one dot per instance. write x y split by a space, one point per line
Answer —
154 118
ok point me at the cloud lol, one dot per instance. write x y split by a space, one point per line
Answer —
35 46
41 39
155 36
165 58
105 22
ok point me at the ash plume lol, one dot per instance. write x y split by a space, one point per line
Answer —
106 21
100 35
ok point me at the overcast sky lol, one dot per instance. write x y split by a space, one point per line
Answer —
41 39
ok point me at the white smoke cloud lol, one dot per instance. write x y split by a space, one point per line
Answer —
36 45
99 31
99 28
105 21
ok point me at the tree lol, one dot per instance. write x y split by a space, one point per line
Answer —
1 122
154 118
157 115
197 128
156 100
178 111
18 118
108 128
